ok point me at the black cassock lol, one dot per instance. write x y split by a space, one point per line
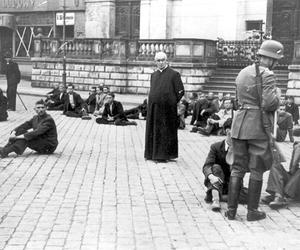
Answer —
166 89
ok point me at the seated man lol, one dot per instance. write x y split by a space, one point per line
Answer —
283 184
51 96
285 124
3 107
217 172
58 101
74 106
293 109
91 101
113 113
203 109
137 112
181 109
42 138
216 122
100 100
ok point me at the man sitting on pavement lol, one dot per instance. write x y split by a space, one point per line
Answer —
91 101
204 108
51 96
283 184
215 126
285 125
74 106
137 112
101 93
39 134
113 113
293 109
217 172
57 102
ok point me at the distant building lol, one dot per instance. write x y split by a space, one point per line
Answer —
133 19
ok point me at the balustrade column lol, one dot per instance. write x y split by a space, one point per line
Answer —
100 18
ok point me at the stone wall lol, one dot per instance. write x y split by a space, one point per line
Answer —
293 86
121 77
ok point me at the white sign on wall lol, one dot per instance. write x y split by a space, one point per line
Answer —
70 18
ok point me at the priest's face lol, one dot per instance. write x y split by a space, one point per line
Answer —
161 62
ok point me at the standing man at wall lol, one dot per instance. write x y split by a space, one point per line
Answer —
13 77
258 98
166 89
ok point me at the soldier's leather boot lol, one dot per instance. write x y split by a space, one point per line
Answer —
253 200
235 186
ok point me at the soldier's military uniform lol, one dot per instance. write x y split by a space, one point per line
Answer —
250 140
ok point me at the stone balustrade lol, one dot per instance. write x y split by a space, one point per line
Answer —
125 66
185 50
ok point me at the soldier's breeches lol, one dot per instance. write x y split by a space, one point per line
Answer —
252 156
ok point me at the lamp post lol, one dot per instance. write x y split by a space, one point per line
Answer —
64 78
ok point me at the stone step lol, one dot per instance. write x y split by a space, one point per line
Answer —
223 80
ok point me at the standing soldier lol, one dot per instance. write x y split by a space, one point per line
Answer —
258 98
13 77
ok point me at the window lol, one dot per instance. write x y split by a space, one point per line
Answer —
254 25
128 19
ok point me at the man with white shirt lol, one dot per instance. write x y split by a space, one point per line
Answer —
215 125
113 113
74 106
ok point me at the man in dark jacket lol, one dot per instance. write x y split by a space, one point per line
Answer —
293 109
74 106
285 125
91 101
166 90
42 138
13 77
216 170
113 113
58 100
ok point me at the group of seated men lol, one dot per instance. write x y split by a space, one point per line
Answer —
210 114
282 185
101 103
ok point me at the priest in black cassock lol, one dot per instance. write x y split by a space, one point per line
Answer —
166 89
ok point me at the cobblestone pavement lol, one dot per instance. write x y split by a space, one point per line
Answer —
98 192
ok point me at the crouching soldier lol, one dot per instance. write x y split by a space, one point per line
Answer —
42 138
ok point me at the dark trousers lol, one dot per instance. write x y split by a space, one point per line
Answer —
222 187
282 182
54 106
117 122
19 145
11 96
252 156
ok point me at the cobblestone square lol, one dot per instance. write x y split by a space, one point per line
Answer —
97 192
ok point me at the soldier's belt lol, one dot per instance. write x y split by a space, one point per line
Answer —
249 106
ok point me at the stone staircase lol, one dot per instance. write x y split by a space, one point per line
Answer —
223 80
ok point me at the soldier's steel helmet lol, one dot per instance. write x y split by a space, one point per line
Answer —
272 49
